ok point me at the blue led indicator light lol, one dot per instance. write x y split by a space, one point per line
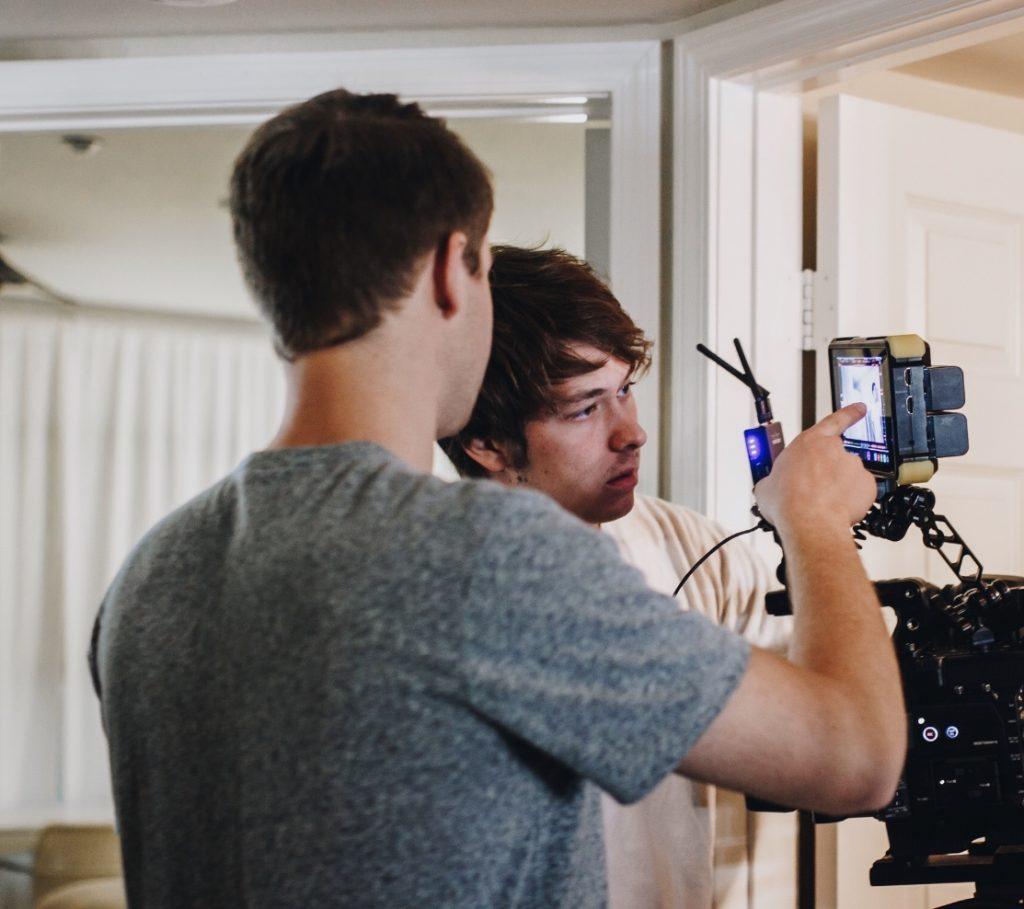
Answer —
952 732
759 452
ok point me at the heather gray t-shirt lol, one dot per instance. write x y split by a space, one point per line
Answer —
330 680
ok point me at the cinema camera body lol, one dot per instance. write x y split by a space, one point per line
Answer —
960 647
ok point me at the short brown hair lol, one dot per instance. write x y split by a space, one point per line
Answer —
334 203
545 301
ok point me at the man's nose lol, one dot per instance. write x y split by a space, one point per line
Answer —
627 434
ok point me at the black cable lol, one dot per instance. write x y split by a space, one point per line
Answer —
707 555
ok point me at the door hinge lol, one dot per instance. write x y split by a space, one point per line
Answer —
807 309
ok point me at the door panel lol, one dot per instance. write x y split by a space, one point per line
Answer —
964 284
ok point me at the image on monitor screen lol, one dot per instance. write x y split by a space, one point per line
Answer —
860 380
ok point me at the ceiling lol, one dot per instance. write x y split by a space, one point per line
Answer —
141 222
995 66
55 19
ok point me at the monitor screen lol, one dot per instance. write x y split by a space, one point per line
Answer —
860 380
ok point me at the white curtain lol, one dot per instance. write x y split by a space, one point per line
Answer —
107 422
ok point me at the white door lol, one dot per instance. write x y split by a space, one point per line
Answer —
919 230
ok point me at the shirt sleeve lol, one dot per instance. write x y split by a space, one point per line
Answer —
565 646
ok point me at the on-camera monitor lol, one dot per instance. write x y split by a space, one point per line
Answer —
860 381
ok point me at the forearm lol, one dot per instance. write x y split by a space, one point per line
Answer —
838 627
839 634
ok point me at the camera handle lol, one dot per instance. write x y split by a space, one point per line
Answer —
890 519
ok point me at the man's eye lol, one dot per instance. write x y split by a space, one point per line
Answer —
583 414
625 390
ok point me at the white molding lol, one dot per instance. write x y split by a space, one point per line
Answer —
786 46
693 301
635 246
192 45
306 42
787 42
139 91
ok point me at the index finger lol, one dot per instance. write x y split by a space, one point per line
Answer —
837 423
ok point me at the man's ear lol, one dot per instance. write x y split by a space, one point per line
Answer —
451 273
490 456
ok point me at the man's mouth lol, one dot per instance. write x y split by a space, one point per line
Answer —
624 481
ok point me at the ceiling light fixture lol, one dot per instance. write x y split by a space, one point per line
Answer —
82 144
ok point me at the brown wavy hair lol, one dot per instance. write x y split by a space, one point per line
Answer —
336 201
545 301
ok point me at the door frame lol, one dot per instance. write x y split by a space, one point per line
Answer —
735 238
74 95
737 217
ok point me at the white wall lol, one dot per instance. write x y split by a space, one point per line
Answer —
538 171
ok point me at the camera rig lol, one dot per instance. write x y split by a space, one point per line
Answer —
958 812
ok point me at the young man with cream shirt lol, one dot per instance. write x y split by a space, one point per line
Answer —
686 845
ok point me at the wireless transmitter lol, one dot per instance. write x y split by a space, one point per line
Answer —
765 441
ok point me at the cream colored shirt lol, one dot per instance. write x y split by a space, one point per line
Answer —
688 845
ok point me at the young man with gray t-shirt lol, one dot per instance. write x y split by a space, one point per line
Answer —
332 679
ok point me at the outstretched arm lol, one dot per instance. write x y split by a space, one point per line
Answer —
825 729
